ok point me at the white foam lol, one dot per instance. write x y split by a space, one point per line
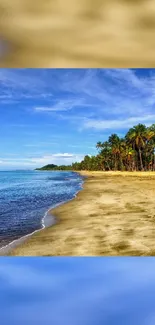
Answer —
5 249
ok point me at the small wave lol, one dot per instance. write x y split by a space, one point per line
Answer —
48 219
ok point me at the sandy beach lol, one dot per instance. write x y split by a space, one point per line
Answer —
79 34
113 215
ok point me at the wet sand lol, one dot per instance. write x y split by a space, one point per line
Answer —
113 215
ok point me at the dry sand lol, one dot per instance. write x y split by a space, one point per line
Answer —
78 33
113 215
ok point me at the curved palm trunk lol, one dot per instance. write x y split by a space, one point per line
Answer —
121 162
140 157
108 165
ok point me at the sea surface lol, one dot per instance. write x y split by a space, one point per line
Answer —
26 197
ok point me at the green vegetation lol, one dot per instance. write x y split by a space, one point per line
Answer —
47 167
134 152
55 167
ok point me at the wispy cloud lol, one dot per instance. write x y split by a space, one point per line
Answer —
61 105
36 161
17 84
114 93
70 104
58 158
65 105
110 91
118 124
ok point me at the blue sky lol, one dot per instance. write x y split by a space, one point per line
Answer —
58 115
77 291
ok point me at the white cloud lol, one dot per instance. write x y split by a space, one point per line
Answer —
63 155
116 90
97 99
65 105
128 76
118 124
33 162
61 105
58 159
17 84
116 93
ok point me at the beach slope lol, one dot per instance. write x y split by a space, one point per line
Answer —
113 215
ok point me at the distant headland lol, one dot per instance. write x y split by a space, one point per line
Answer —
55 167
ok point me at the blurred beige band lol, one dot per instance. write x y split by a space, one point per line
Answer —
77 33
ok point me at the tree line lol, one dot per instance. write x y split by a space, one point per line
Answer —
133 152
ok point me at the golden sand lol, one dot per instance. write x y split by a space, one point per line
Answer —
113 215
78 33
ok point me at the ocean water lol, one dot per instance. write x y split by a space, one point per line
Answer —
26 197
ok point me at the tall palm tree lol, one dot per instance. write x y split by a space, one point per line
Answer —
128 155
106 154
135 151
136 136
117 150
151 134
149 148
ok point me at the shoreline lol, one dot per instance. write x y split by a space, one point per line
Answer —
70 236
6 249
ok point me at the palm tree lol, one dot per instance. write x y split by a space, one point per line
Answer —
151 135
135 151
99 145
128 157
117 149
106 155
136 136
